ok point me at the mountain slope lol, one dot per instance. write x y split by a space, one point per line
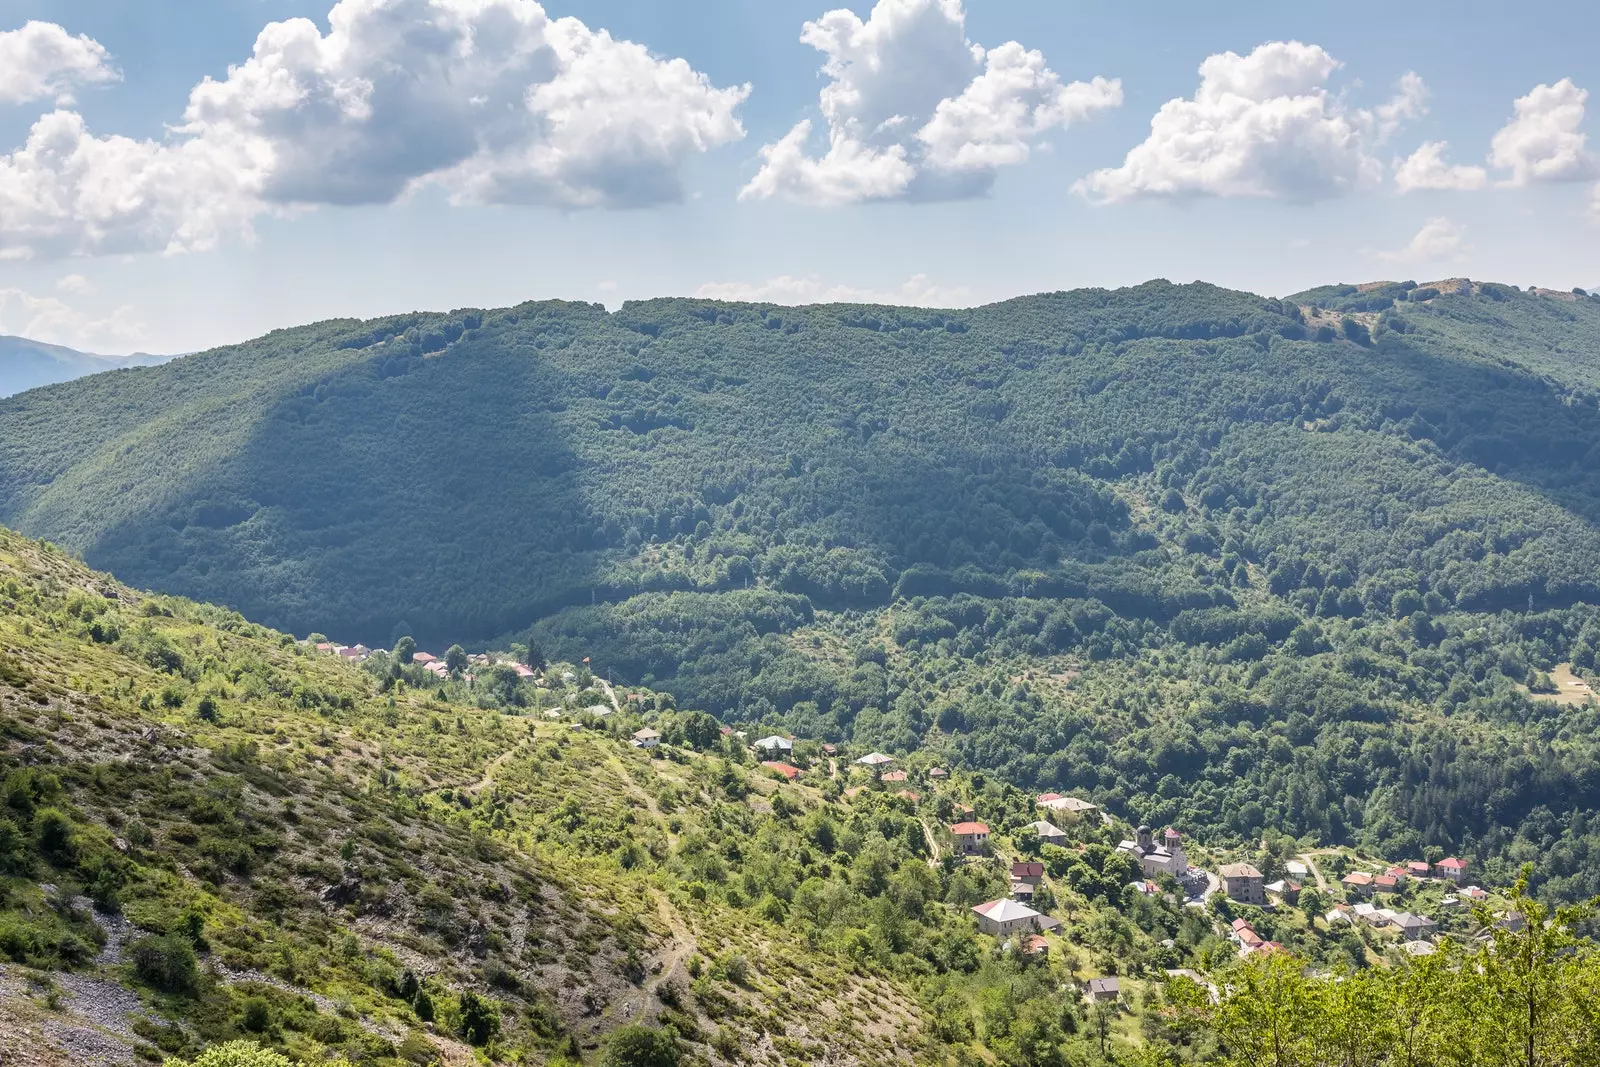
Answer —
176 781
1325 567
460 475
26 364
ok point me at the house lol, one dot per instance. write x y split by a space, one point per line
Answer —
1385 883
966 811
1473 892
1285 890
601 710
1242 882
1266 948
1104 991
646 738
1030 871
874 760
1035 945
775 745
1418 948
1022 891
424 658
1398 873
829 750
1067 805
1339 913
784 769
938 774
911 795
1004 917
327 647
522 670
1453 869
1414 927
1167 857
1048 833
1357 884
1246 934
1418 869
1296 869
971 838
893 776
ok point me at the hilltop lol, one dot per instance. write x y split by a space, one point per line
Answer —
26 364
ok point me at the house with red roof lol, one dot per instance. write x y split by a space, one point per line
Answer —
1357 883
789 772
1030 871
1453 869
893 776
971 838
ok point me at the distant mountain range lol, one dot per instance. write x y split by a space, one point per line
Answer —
26 364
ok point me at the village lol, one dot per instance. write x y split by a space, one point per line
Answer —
1407 908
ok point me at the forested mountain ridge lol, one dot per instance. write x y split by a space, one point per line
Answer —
27 364
364 477
1244 564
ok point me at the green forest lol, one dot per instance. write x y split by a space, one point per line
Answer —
1324 566
222 848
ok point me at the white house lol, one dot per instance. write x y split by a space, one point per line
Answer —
1004 917
646 738
775 745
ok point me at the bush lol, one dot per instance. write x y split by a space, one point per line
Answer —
235 1054
639 1046
165 963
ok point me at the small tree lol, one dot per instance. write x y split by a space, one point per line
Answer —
639 1046
455 660
234 1054
405 648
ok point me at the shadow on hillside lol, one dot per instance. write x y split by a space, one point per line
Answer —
349 512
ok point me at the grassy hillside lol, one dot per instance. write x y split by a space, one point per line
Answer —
210 833
1305 567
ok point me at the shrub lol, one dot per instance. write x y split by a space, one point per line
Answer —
639 1046
235 1054
165 963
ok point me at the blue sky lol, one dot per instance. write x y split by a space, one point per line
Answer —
964 176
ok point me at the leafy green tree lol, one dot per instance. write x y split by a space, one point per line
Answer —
455 660
639 1046
405 649
235 1054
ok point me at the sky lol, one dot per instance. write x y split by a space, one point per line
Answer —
190 173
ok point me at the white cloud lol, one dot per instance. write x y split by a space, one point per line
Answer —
53 321
1594 203
916 111
1438 239
42 61
1427 168
74 283
916 291
1543 142
1261 125
491 100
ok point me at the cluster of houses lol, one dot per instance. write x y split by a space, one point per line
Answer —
1361 884
1411 927
1250 942
434 665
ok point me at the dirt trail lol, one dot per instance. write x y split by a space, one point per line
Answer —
933 845
1310 860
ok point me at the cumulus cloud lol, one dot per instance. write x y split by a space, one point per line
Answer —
42 61
914 110
916 291
1543 141
54 321
491 100
74 283
1261 125
1427 168
1438 239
